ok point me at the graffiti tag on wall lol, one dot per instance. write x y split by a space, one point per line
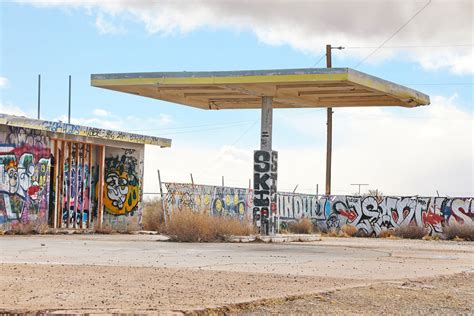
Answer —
24 175
372 215
215 200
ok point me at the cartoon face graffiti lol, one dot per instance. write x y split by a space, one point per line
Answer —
117 189
12 172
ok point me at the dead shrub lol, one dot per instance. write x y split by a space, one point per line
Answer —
153 217
349 230
386 234
459 231
189 226
410 232
22 229
302 226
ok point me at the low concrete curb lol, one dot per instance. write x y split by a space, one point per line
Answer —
276 238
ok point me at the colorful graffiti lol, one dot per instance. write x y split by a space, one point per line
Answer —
78 197
217 201
24 175
70 129
121 184
372 215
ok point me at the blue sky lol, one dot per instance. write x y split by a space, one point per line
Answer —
58 38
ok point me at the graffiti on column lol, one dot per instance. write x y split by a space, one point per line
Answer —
24 175
262 182
215 200
121 183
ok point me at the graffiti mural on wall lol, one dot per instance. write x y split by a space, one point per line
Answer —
24 175
121 183
372 215
216 200
77 185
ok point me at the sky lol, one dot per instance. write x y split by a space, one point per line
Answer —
425 45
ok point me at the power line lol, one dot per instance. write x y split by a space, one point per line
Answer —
206 129
409 46
319 60
395 33
188 127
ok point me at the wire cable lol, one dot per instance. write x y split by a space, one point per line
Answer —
393 35
319 60
409 46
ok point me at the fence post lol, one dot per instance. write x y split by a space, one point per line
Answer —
162 199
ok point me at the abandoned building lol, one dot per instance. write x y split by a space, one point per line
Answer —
70 176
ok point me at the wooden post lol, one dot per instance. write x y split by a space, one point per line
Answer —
317 189
162 199
55 184
329 131
76 183
192 180
68 182
60 197
83 182
89 185
100 198
222 180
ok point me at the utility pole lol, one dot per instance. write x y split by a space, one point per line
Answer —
359 184
329 48
329 131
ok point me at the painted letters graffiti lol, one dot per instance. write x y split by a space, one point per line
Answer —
265 188
371 215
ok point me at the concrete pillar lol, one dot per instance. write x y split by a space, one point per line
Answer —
267 123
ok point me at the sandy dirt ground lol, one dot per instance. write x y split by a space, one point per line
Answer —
139 274
446 295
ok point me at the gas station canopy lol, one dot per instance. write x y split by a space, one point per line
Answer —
289 88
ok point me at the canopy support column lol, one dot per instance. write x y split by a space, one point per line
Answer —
267 123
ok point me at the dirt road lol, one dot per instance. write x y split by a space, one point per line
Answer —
138 274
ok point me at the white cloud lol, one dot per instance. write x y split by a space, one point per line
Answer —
105 26
11 110
3 82
101 112
402 151
309 25
164 119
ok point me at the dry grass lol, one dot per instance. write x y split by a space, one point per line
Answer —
153 215
349 230
386 234
189 226
302 226
410 232
34 227
457 231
